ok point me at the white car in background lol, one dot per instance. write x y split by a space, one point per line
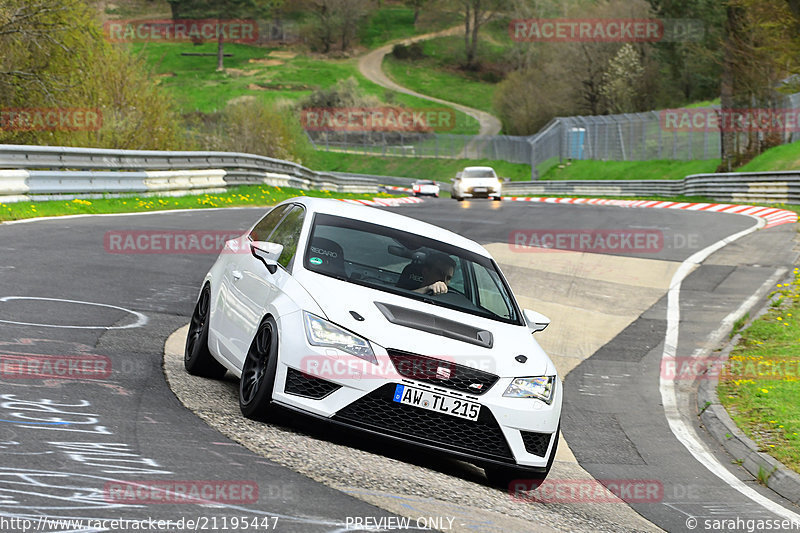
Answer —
425 188
477 182
323 308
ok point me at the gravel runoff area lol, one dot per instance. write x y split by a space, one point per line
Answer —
405 480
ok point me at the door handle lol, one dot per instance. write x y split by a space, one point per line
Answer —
236 275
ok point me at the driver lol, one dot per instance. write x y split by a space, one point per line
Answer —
437 271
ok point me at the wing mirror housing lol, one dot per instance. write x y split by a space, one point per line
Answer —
268 253
536 321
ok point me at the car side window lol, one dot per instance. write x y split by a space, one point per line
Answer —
288 234
490 293
263 229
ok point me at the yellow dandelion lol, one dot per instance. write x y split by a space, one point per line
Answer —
766 391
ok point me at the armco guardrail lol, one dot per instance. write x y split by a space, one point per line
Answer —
40 172
392 180
237 168
26 185
780 187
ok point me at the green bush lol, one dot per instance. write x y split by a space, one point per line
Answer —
68 65
412 52
253 127
346 93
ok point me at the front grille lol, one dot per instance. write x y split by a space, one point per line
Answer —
307 386
442 373
376 411
536 443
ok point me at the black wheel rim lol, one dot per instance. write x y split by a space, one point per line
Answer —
198 323
255 365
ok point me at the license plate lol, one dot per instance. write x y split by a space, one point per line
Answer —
479 189
436 402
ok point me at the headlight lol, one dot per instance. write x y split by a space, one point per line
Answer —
320 332
540 387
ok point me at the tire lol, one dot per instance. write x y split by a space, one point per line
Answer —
498 198
501 477
258 372
197 359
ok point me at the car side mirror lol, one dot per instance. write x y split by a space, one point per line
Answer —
536 321
268 253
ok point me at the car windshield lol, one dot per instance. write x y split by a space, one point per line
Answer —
424 182
478 174
402 263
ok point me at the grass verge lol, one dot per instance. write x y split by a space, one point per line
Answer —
436 74
269 75
397 22
245 195
629 170
412 167
761 381
784 157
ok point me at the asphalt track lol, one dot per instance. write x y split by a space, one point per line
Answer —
66 443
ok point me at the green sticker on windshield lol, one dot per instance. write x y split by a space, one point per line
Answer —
315 261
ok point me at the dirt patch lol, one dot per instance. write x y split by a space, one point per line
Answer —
283 55
266 62
237 72
241 99
278 87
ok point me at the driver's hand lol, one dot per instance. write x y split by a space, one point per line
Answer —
438 287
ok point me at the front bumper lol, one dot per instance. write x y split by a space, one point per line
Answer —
349 391
470 193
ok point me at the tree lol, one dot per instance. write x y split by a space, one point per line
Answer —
334 20
40 44
760 49
223 10
54 56
417 6
476 14
691 62
622 80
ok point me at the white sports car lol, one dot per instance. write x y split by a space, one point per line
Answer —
477 182
425 188
383 323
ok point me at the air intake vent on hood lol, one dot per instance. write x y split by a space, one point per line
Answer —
429 323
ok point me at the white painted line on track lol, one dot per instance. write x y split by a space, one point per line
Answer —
141 319
682 429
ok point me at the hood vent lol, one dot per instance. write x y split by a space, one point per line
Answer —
429 323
